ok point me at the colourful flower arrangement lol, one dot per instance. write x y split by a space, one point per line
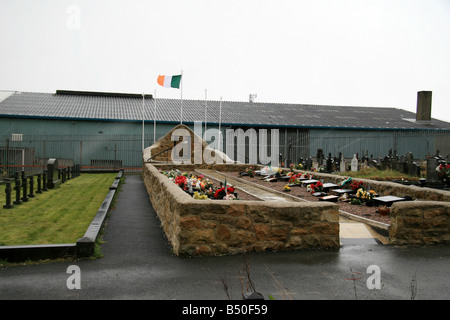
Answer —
355 185
250 171
200 187
443 171
365 195
286 188
317 187
293 166
221 194
200 196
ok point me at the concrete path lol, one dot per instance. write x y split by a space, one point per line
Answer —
138 264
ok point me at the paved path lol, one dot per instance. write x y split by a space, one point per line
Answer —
138 264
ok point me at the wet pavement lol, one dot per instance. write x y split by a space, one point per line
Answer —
138 264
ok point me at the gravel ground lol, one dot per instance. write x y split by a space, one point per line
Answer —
359 210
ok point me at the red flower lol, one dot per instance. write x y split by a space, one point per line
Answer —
180 181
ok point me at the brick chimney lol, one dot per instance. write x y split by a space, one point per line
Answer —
423 106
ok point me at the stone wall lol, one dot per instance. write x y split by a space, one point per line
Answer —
217 227
420 222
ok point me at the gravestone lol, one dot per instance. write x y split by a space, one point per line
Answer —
52 173
354 164
409 165
309 164
342 164
328 168
320 157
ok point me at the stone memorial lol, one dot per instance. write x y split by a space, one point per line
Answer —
342 164
52 173
354 164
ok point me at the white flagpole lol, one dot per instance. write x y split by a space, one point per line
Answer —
181 91
143 97
154 118
220 123
206 107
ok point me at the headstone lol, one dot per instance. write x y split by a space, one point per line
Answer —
52 173
342 164
308 164
328 165
320 157
354 163
409 164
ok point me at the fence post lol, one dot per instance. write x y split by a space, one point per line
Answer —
31 195
17 188
24 187
39 183
44 181
8 204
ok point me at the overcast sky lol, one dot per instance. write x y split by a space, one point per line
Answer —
333 52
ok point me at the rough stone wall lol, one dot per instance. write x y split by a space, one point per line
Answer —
161 151
420 222
217 227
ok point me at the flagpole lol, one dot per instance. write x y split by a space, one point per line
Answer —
206 107
154 119
143 97
220 122
181 91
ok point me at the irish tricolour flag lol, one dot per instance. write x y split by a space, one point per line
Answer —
170 81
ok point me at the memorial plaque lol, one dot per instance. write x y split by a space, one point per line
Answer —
342 191
52 173
329 198
327 186
388 200
306 182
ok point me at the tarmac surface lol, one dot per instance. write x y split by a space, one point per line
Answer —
138 264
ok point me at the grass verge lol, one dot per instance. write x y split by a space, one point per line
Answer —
380 175
61 215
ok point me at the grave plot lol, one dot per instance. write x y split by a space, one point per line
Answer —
305 186
197 227
202 187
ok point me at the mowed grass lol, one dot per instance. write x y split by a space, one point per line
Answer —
60 215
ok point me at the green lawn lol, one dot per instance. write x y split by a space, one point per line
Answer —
381 175
60 215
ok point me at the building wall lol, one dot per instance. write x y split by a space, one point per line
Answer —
84 141
377 142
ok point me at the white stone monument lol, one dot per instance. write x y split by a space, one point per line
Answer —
354 163
342 164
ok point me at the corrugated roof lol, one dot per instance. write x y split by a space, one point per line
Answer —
128 108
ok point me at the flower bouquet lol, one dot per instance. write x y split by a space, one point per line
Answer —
443 171
286 188
317 187
250 171
200 196
355 185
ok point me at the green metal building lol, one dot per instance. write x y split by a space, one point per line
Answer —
105 130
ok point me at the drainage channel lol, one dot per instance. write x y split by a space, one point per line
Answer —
351 232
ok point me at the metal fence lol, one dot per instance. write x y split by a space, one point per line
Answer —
92 152
106 152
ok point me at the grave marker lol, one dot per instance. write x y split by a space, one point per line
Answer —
354 164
